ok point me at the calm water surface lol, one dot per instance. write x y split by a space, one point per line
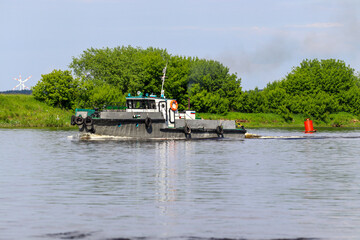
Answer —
56 187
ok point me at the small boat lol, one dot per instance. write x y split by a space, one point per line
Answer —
151 117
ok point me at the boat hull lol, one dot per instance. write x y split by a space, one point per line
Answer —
138 129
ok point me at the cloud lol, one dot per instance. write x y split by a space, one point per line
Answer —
275 50
339 38
101 1
209 29
263 64
318 25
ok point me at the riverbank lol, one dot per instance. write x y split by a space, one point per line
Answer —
269 120
23 111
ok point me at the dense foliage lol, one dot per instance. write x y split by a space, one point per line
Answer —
107 75
57 89
314 89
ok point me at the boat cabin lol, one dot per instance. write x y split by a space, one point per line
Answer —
152 103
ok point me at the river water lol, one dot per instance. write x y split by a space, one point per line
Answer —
53 186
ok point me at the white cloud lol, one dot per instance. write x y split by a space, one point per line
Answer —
318 25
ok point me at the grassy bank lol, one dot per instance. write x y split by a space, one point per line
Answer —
274 120
23 111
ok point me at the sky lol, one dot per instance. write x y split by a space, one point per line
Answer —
259 40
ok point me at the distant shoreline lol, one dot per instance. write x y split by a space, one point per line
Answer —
25 92
271 120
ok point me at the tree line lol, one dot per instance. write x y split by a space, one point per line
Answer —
316 88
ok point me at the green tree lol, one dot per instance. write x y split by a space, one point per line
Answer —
328 75
212 88
92 95
358 79
126 68
177 77
253 101
316 88
129 70
58 89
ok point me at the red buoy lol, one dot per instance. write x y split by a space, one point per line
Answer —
309 126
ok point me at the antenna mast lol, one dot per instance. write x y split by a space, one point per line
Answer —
163 80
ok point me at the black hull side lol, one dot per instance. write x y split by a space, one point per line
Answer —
139 129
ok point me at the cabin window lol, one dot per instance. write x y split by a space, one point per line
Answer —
141 104
138 104
129 104
152 105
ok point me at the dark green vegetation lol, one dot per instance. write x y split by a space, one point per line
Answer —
57 89
24 111
108 75
315 89
326 91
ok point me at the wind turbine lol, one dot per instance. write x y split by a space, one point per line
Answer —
21 85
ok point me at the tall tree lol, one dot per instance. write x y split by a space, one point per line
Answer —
129 70
58 89
316 88
212 88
